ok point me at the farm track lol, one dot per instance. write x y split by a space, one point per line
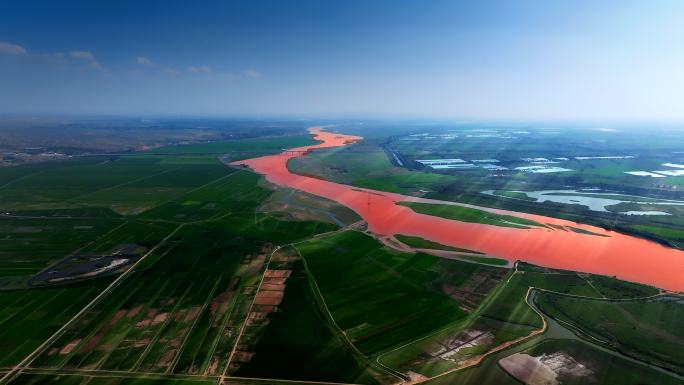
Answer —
99 373
321 300
606 345
461 323
529 300
16 370
184 344
21 177
63 311
120 185
478 359
159 332
24 366
244 322
322 304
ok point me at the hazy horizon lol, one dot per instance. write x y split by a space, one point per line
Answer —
614 61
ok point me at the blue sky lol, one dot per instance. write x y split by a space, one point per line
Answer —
564 60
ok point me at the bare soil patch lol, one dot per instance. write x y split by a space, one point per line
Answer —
134 311
141 343
544 369
269 299
277 273
274 280
273 286
68 348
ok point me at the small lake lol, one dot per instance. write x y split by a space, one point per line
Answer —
594 202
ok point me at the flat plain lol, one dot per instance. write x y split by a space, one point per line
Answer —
172 266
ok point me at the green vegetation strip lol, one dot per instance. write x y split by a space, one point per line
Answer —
586 232
513 194
421 243
486 260
467 214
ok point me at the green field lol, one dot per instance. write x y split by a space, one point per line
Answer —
513 194
505 315
178 311
387 298
294 204
131 329
352 310
29 317
237 149
30 243
509 304
648 330
606 368
487 260
314 351
665 232
80 379
365 165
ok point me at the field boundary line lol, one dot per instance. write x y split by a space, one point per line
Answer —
607 299
208 183
530 290
17 369
588 281
244 323
24 177
182 347
184 193
78 249
589 338
319 295
64 310
503 346
122 338
30 303
120 301
463 322
116 373
121 184
291 381
156 375
155 338
217 340
18 300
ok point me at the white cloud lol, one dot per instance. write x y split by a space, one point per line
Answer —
198 69
57 57
84 55
172 71
88 57
248 73
11 49
252 73
142 60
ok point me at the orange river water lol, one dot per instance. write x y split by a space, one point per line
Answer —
626 257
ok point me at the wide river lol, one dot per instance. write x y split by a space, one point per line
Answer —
623 256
